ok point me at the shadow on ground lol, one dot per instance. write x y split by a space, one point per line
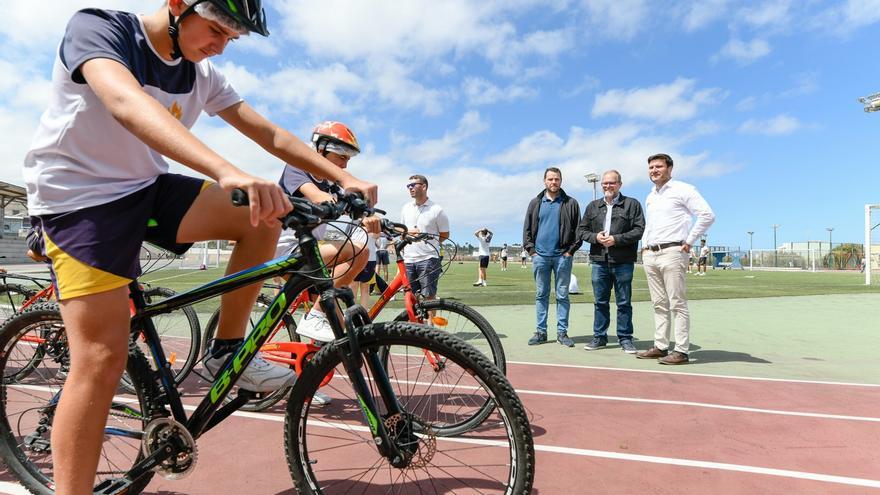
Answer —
717 356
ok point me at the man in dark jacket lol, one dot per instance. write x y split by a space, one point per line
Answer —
550 237
613 225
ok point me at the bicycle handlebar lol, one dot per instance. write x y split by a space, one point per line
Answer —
306 213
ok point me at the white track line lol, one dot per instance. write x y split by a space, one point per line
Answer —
843 480
696 375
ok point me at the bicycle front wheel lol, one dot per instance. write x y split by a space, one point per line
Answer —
330 449
28 402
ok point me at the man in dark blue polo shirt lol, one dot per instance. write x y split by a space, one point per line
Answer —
549 236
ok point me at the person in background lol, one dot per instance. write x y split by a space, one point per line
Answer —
550 237
669 234
704 258
484 236
613 225
422 259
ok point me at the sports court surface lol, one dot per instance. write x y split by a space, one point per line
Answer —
782 396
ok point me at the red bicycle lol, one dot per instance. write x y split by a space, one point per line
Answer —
284 345
180 330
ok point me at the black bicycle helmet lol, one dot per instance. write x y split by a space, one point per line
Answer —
247 13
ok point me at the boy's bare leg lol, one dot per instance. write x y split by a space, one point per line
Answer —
97 329
212 216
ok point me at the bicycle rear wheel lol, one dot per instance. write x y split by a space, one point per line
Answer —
12 296
330 449
180 333
28 402
462 321
285 332
465 323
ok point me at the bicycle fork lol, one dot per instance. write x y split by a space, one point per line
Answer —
353 361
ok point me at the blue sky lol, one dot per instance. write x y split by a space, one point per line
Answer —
755 101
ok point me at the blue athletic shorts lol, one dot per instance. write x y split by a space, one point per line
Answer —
484 261
97 249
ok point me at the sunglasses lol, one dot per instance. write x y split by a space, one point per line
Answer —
413 184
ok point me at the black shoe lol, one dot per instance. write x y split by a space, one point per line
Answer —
596 343
564 339
538 338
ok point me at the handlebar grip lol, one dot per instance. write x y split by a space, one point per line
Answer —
240 198
393 228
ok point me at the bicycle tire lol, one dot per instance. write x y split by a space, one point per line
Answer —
12 296
285 334
485 340
26 402
314 450
175 339
474 329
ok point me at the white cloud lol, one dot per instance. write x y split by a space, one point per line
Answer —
701 13
742 52
843 19
432 151
624 148
767 14
746 104
616 19
776 126
22 27
678 100
479 91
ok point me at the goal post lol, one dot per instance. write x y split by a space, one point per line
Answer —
201 255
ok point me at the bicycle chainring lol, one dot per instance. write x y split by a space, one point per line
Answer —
162 432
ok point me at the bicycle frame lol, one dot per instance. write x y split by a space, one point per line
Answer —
295 353
211 410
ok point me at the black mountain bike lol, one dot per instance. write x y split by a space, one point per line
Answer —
378 435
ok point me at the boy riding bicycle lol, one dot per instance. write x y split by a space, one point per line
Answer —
125 90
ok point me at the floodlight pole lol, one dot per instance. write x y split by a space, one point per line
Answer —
775 259
867 245
593 179
751 255
871 104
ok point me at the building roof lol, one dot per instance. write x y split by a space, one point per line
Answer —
11 192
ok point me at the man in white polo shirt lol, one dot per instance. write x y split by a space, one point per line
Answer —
422 259
669 235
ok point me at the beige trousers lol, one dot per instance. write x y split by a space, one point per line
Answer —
666 270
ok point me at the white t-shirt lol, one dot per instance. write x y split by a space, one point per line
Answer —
80 155
484 244
427 218
504 252
704 251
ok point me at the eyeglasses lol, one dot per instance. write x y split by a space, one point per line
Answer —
413 184
609 184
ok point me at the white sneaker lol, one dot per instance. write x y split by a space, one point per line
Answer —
259 376
314 325
321 399
484 283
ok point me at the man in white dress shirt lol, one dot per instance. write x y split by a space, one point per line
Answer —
669 234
